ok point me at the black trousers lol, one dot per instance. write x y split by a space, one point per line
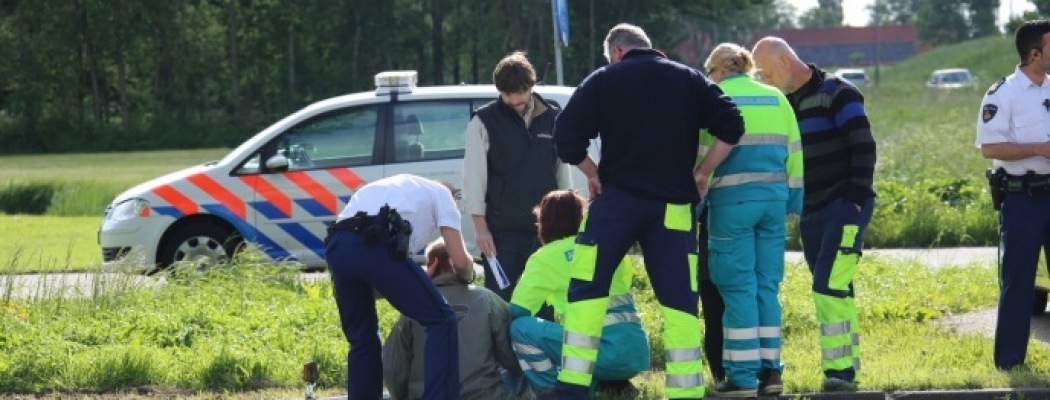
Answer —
711 305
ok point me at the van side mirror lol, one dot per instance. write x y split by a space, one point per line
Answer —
277 163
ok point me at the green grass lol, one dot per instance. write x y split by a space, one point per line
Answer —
34 243
251 326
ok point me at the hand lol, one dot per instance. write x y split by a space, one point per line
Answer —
594 184
485 243
857 206
701 183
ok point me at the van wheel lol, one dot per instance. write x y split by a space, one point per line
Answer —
203 244
1039 304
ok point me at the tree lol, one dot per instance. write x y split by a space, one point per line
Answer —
895 12
982 18
828 13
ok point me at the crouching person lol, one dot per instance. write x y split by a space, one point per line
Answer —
484 343
624 348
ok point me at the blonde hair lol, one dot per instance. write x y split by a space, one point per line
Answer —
732 58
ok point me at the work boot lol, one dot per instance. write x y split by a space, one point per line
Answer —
833 384
769 383
729 390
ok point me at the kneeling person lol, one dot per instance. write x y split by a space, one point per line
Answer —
624 348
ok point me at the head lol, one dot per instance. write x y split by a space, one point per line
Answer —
438 261
729 59
623 38
1032 41
777 64
514 78
559 215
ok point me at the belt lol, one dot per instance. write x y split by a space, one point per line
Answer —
356 224
1031 183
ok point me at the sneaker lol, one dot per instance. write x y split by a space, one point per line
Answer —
730 390
769 383
833 384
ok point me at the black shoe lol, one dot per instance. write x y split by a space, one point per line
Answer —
833 384
769 383
729 390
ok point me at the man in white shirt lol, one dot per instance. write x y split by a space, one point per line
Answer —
367 250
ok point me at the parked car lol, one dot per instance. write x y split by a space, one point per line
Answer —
281 188
857 76
953 78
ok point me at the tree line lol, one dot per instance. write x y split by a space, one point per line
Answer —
113 75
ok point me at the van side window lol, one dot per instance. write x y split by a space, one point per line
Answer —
430 130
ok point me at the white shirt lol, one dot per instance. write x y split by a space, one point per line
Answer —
424 203
1018 111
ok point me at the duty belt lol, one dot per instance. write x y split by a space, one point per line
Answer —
387 227
1030 182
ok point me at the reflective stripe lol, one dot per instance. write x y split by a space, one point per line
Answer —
577 365
740 333
856 339
749 177
796 182
794 147
769 331
524 365
681 355
836 353
621 300
856 364
702 152
762 139
835 329
526 349
740 355
769 354
626 316
684 381
578 340
540 366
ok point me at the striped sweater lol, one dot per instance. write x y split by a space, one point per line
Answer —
837 145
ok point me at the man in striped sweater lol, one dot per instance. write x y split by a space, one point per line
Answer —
839 157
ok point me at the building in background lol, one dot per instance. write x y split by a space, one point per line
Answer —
849 46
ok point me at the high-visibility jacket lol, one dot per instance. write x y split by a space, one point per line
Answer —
546 280
771 149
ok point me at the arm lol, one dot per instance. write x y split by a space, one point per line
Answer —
715 155
590 170
475 183
534 286
1014 151
579 122
721 120
852 120
397 359
499 321
462 265
563 176
795 161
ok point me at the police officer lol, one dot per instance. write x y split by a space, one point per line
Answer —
538 342
367 250
752 192
1013 129
648 110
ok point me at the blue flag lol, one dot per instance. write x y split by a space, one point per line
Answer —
561 13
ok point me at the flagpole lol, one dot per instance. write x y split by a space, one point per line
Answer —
557 41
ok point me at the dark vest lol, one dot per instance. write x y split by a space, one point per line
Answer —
522 165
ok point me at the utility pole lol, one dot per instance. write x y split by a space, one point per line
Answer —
557 41
878 41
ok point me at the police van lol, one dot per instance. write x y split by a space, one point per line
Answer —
281 189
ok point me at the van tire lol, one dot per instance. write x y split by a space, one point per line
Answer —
1039 302
205 243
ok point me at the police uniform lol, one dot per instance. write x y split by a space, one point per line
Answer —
648 110
1016 110
537 343
360 262
752 191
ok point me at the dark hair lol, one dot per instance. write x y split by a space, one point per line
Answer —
514 74
1029 36
559 215
438 251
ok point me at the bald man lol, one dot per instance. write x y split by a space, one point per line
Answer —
839 158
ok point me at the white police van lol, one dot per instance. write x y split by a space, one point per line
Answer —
284 186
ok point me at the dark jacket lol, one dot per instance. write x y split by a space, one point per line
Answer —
649 111
522 164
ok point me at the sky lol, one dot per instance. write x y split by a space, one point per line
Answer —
856 11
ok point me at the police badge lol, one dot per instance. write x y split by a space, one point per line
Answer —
988 112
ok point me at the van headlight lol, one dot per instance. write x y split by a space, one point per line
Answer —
128 209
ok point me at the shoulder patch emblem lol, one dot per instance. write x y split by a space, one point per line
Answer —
995 86
988 112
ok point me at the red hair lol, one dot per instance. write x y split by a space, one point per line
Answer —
559 215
